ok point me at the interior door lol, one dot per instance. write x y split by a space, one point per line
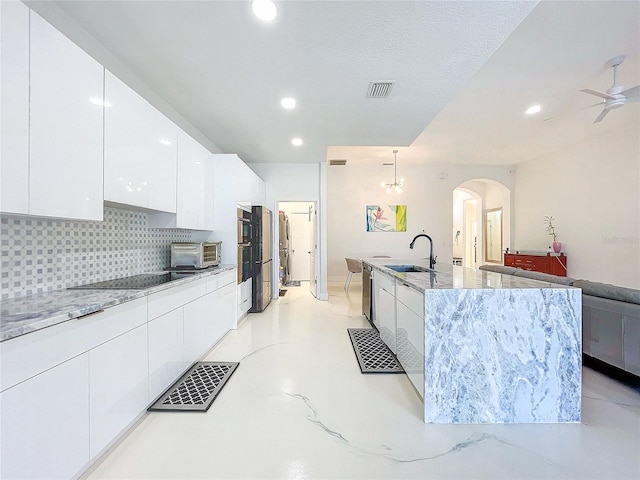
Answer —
301 233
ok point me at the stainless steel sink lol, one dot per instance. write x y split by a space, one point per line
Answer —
407 268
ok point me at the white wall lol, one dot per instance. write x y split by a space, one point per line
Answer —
429 201
592 189
458 221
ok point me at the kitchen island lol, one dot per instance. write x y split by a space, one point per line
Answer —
481 347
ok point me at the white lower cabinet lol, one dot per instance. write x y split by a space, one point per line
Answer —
118 376
384 301
245 290
207 320
45 423
198 324
70 390
410 334
166 356
225 310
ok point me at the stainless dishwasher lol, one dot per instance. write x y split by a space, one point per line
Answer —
366 292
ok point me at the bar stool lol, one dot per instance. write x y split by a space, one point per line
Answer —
353 266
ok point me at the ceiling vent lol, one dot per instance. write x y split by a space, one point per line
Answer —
380 89
339 161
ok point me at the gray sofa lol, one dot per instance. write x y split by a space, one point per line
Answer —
610 318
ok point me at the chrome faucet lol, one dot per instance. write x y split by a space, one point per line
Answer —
432 259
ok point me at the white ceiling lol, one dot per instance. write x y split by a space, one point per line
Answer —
463 75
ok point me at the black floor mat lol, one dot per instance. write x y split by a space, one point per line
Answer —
372 353
196 390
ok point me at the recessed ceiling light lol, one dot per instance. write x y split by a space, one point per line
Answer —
296 141
164 141
264 9
533 109
288 103
99 102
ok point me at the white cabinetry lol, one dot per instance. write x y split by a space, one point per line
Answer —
166 357
45 423
118 376
208 319
194 202
50 407
410 334
244 298
185 322
14 97
58 172
198 316
385 308
195 185
234 183
251 188
66 128
140 152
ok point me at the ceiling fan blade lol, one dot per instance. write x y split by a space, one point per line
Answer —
576 110
603 114
598 94
632 94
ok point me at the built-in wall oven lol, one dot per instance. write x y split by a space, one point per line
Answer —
244 245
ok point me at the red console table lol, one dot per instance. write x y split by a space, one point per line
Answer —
555 264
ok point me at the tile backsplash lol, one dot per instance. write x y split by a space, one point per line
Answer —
41 254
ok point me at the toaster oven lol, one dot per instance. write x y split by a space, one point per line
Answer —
195 255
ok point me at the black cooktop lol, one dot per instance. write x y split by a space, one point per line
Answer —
134 282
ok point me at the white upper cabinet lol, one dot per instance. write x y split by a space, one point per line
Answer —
66 127
195 185
250 187
194 197
140 150
14 94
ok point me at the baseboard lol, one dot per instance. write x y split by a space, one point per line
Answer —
611 371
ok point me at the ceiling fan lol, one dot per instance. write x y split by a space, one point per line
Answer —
616 96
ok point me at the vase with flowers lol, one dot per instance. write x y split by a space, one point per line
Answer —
548 221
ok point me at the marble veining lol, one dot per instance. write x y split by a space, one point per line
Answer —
313 418
20 316
470 442
510 356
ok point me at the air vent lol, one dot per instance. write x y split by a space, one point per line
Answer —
338 162
380 89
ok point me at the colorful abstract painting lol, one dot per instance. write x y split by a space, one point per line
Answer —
386 218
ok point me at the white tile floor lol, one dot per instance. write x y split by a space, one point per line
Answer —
298 407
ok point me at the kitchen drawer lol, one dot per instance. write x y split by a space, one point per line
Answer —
28 355
411 297
175 297
215 282
385 282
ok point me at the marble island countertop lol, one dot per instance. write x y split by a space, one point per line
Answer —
24 315
446 277
483 347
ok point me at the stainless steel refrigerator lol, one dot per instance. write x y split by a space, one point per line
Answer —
262 260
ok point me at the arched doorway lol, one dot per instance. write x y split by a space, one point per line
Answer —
481 222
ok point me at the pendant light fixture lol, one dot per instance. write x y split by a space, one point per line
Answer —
397 186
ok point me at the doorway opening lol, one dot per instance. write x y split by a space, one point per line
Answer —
297 226
481 222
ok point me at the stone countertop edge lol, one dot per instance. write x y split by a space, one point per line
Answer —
445 276
20 316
